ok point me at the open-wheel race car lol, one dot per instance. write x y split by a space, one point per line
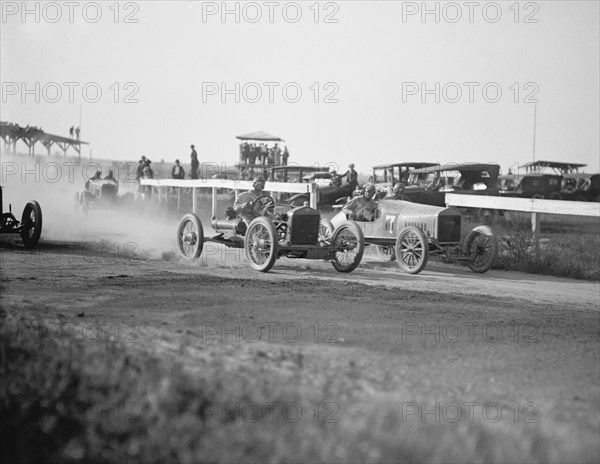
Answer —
297 233
30 227
100 194
410 232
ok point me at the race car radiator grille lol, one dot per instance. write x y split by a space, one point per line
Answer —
449 228
305 230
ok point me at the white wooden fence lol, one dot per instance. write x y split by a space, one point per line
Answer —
163 186
529 205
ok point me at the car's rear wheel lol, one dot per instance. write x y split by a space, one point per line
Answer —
31 224
386 252
261 244
412 250
482 250
348 243
190 236
325 232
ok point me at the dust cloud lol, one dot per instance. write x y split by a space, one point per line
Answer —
136 227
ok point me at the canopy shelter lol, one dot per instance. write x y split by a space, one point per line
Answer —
260 136
557 167
11 133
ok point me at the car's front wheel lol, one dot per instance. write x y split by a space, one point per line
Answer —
190 236
261 244
31 223
482 249
348 246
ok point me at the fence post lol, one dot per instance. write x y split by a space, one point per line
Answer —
214 202
535 223
194 201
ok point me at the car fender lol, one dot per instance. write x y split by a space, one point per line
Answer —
485 230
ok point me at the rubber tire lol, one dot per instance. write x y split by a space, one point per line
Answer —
31 236
492 242
262 222
387 253
325 232
422 242
196 248
555 196
360 242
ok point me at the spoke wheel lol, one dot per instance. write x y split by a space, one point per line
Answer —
386 252
261 244
31 223
190 237
412 250
325 232
348 246
483 251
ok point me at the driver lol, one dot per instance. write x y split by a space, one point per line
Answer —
245 201
362 208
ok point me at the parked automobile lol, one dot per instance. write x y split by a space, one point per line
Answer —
410 232
298 233
465 178
386 176
327 195
30 226
534 185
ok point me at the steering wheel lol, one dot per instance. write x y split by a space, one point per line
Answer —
263 204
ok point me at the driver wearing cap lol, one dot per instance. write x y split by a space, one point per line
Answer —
244 204
362 208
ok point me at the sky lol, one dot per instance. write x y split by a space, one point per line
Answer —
348 81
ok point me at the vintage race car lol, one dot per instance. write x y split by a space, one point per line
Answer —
101 194
30 227
296 233
410 232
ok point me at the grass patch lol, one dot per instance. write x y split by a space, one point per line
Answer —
568 246
68 401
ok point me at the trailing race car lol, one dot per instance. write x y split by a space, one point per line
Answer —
297 233
101 194
410 232
30 226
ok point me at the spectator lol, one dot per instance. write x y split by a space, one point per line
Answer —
351 176
77 131
285 156
195 163
177 172
70 131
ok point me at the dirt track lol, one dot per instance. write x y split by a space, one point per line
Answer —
446 334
